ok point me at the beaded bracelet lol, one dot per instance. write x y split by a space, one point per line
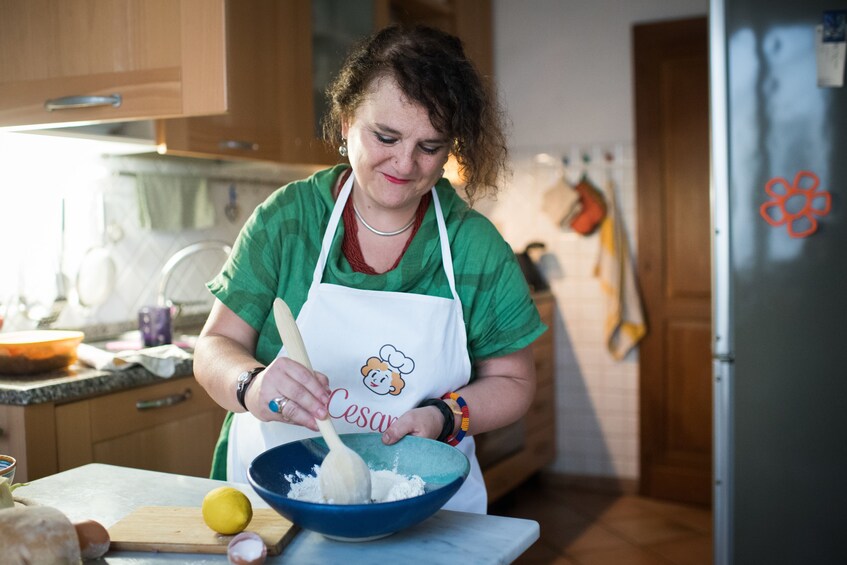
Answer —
466 418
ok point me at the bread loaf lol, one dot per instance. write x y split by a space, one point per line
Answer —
38 534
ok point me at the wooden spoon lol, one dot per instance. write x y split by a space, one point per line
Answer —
345 477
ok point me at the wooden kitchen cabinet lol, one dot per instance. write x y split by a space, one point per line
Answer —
320 33
163 58
221 78
258 36
281 57
171 427
28 433
534 437
470 20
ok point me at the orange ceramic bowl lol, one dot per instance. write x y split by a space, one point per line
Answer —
37 351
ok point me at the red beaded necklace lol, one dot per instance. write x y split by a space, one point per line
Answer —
350 243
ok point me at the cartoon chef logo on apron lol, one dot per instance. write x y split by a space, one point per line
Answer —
377 370
384 374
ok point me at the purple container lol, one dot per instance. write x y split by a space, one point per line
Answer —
154 322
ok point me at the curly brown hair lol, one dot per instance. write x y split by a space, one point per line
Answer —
431 69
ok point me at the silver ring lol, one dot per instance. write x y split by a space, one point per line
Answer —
277 404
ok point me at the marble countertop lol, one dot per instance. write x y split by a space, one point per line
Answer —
77 381
80 380
107 493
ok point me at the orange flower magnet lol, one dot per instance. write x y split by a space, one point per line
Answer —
795 205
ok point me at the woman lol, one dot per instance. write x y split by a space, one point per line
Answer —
402 293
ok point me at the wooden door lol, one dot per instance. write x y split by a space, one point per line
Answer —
674 258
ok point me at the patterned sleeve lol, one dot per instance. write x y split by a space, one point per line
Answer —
502 317
249 280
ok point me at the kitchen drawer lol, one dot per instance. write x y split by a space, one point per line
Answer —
170 427
128 411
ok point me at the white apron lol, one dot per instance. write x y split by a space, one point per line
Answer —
384 353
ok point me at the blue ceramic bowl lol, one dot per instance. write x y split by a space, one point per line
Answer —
7 467
442 467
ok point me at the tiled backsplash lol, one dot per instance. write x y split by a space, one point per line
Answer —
141 253
596 396
138 253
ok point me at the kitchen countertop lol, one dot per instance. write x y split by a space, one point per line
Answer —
77 381
107 493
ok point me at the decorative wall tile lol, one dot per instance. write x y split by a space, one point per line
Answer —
138 253
597 397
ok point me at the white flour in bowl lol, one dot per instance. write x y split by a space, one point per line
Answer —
386 486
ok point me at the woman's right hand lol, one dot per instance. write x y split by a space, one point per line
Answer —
307 393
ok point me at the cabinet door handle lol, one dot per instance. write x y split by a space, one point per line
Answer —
72 102
238 144
163 402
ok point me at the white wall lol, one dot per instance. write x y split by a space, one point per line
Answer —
564 67
564 73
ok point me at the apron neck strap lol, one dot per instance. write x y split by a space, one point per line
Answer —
446 254
335 219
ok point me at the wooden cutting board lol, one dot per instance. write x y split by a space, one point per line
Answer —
178 529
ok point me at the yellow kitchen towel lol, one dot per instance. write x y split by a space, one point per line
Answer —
172 203
625 325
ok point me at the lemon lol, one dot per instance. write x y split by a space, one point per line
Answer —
227 510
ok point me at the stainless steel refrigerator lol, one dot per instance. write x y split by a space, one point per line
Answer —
779 188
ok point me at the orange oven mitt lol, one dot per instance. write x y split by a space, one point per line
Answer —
593 208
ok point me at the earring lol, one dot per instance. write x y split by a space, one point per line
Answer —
442 172
342 149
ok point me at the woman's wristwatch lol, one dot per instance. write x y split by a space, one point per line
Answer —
242 382
449 412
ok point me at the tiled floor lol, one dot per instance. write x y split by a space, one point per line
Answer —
588 528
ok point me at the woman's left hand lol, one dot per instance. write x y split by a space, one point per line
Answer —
511 377
421 422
